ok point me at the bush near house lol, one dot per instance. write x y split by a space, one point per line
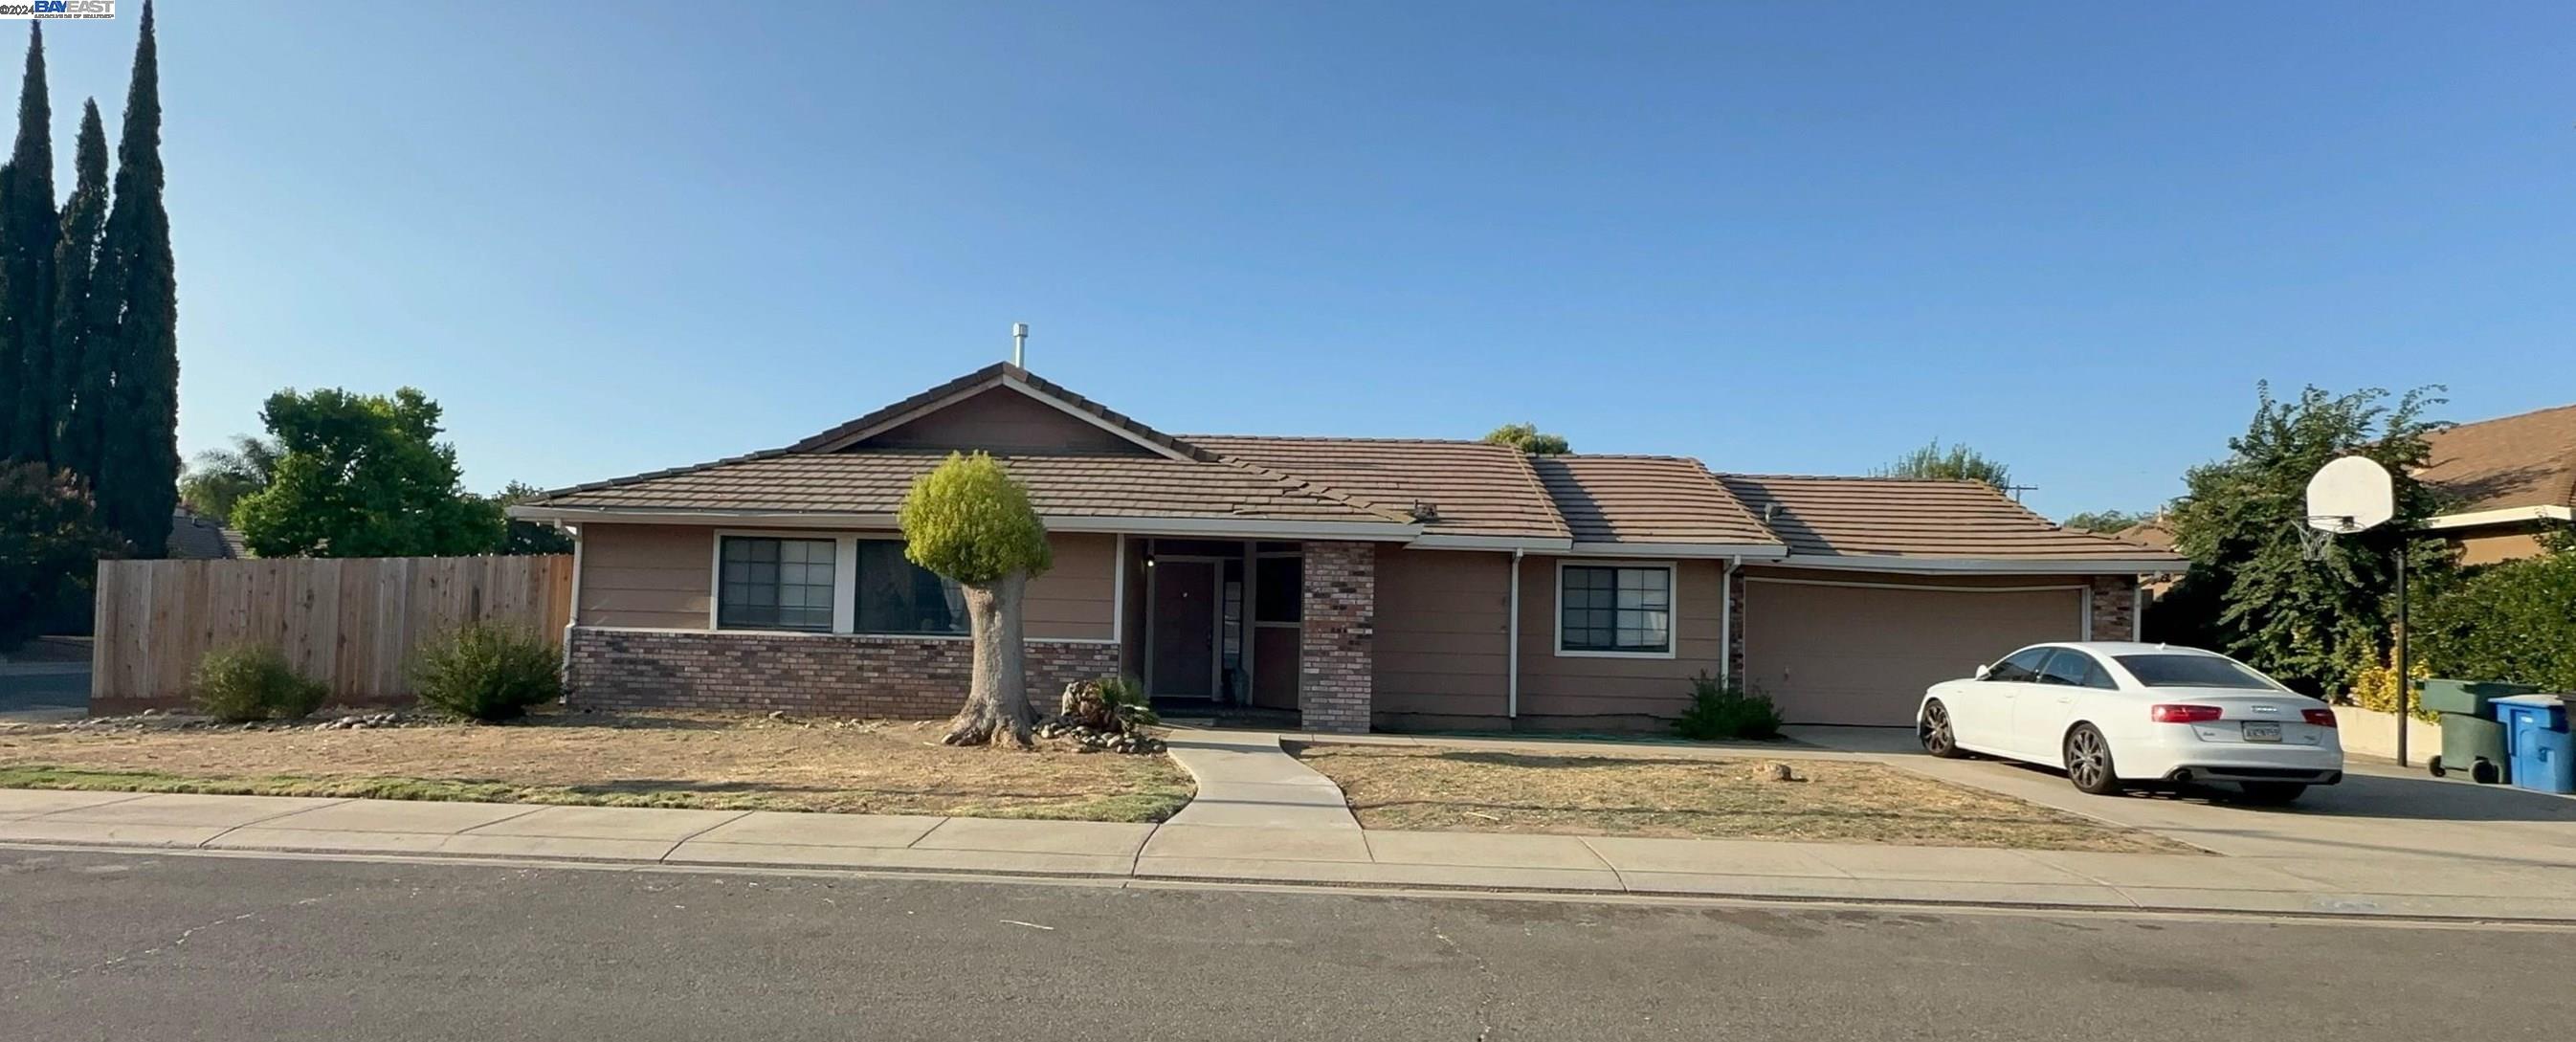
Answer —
2514 621
488 672
241 684
1726 711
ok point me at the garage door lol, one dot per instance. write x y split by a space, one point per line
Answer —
1849 654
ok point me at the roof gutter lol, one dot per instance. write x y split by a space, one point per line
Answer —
1987 565
2506 516
1234 527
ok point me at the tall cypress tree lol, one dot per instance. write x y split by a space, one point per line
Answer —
27 231
138 473
84 333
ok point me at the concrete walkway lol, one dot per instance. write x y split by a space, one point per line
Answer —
1253 853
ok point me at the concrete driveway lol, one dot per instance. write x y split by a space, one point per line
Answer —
43 690
2379 812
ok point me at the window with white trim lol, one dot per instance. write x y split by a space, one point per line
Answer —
897 596
1607 609
774 584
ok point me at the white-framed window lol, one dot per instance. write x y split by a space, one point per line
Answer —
774 583
894 595
1614 609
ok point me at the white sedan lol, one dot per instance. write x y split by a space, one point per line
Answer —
2114 715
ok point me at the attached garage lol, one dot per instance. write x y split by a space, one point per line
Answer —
1834 651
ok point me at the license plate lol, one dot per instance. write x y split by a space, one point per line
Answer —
2262 731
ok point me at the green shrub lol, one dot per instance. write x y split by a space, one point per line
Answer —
1127 703
487 672
1723 711
240 684
2511 621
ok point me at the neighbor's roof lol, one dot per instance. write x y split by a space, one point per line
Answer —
2517 461
195 538
870 483
1645 499
1464 487
1913 517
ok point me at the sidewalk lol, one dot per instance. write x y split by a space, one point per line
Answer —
1284 854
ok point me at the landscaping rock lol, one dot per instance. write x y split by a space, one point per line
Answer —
1776 771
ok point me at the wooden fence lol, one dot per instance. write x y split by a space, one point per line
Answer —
353 623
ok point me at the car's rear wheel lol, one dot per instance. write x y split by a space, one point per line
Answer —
2088 762
2272 793
1935 731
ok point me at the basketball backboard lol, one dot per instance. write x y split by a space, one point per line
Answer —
2351 494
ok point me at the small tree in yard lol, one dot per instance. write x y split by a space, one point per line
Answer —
969 521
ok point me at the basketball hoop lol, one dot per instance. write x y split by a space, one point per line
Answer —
2315 538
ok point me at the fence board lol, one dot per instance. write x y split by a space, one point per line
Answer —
352 623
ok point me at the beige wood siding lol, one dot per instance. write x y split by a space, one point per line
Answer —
1003 420
1854 654
2488 546
1635 688
1441 629
662 577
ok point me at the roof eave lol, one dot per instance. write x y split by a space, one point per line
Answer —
2143 565
2503 516
1171 525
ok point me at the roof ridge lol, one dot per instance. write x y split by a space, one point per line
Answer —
1312 486
593 486
1528 466
1852 477
1342 438
2526 414
996 375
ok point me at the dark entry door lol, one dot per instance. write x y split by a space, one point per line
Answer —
1184 622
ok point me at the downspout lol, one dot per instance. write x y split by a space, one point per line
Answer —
1726 623
572 612
1512 650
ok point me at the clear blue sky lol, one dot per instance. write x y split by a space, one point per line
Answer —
1780 237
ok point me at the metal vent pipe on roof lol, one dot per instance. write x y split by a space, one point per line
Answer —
1020 344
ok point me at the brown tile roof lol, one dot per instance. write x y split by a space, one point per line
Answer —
2517 461
1645 499
2157 534
1907 517
1472 488
1062 486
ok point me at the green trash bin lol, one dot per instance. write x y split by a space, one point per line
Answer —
2468 696
2472 740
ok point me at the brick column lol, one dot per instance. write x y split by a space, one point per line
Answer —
1337 644
2115 607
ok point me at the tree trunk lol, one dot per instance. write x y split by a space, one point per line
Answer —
997 700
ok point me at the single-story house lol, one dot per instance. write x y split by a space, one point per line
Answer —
2508 480
1359 582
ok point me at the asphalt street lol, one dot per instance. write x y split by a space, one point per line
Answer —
51 690
128 946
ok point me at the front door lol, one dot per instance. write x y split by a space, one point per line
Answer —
1183 661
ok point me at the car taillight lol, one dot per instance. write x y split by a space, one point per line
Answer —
2173 714
2319 717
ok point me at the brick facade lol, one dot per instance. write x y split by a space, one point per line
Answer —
907 678
2115 607
1337 644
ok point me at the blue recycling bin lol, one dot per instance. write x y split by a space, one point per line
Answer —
2536 737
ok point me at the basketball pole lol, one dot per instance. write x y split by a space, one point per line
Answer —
2405 672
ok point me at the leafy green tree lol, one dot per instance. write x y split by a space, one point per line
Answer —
2512 621
1954 463
221 477
2108 520
2309 623
49 545
970 521
31 416
84 334
528 537
137 480
1528 438
362 476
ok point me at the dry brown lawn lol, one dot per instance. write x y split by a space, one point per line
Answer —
666 761
1464 790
